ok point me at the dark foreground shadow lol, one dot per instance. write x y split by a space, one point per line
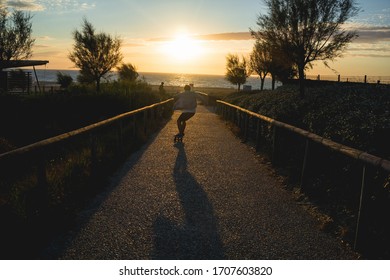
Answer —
198 237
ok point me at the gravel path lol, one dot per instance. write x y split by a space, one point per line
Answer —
208 198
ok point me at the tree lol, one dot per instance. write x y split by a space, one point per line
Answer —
267 59
127 72
236 71
281 65
95 54
15 35
307 30
260 60
85 77
64 80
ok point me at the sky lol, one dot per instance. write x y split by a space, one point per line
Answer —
178 36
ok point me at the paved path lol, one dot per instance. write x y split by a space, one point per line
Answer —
208 198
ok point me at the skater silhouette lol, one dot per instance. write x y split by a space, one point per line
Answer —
186 102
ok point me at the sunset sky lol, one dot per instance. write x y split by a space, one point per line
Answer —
178 36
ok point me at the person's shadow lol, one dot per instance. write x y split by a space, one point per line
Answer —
198 238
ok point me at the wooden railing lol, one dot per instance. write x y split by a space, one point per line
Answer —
301 151
43 176
353 79
207 99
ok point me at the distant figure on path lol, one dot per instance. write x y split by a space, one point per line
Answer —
186 101
161 88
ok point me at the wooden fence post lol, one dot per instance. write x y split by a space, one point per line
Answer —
238 112
120 138
94 156
134 125
146 122
43 186
258 131
304 165
275 144
360 220
246 126
41 173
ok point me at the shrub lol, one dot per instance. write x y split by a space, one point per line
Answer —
356 115
64 80
27 119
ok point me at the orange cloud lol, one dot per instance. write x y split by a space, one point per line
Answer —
239 36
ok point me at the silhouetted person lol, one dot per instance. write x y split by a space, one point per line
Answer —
186 101
161 88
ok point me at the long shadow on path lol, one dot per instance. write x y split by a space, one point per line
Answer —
197 237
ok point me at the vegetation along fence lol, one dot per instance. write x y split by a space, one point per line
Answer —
354 79
53 176
350 186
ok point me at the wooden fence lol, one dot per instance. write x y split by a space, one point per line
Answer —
319 165
353 79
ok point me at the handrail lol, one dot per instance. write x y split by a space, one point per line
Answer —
207 99
362 157
348 151
79 131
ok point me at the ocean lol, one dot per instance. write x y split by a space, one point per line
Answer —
169 79
203 80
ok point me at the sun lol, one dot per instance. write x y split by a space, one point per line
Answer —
183 48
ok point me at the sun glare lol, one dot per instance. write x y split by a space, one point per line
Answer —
183 48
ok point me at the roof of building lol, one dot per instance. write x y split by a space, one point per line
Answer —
21 63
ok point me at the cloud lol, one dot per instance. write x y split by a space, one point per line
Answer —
41 46
373 34
63 6
26 5
369 48
373 41
372 55
45 38
131 45
58 6
133 42
237 36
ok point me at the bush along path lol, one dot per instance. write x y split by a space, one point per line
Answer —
206 198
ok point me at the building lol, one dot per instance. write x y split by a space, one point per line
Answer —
18 81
